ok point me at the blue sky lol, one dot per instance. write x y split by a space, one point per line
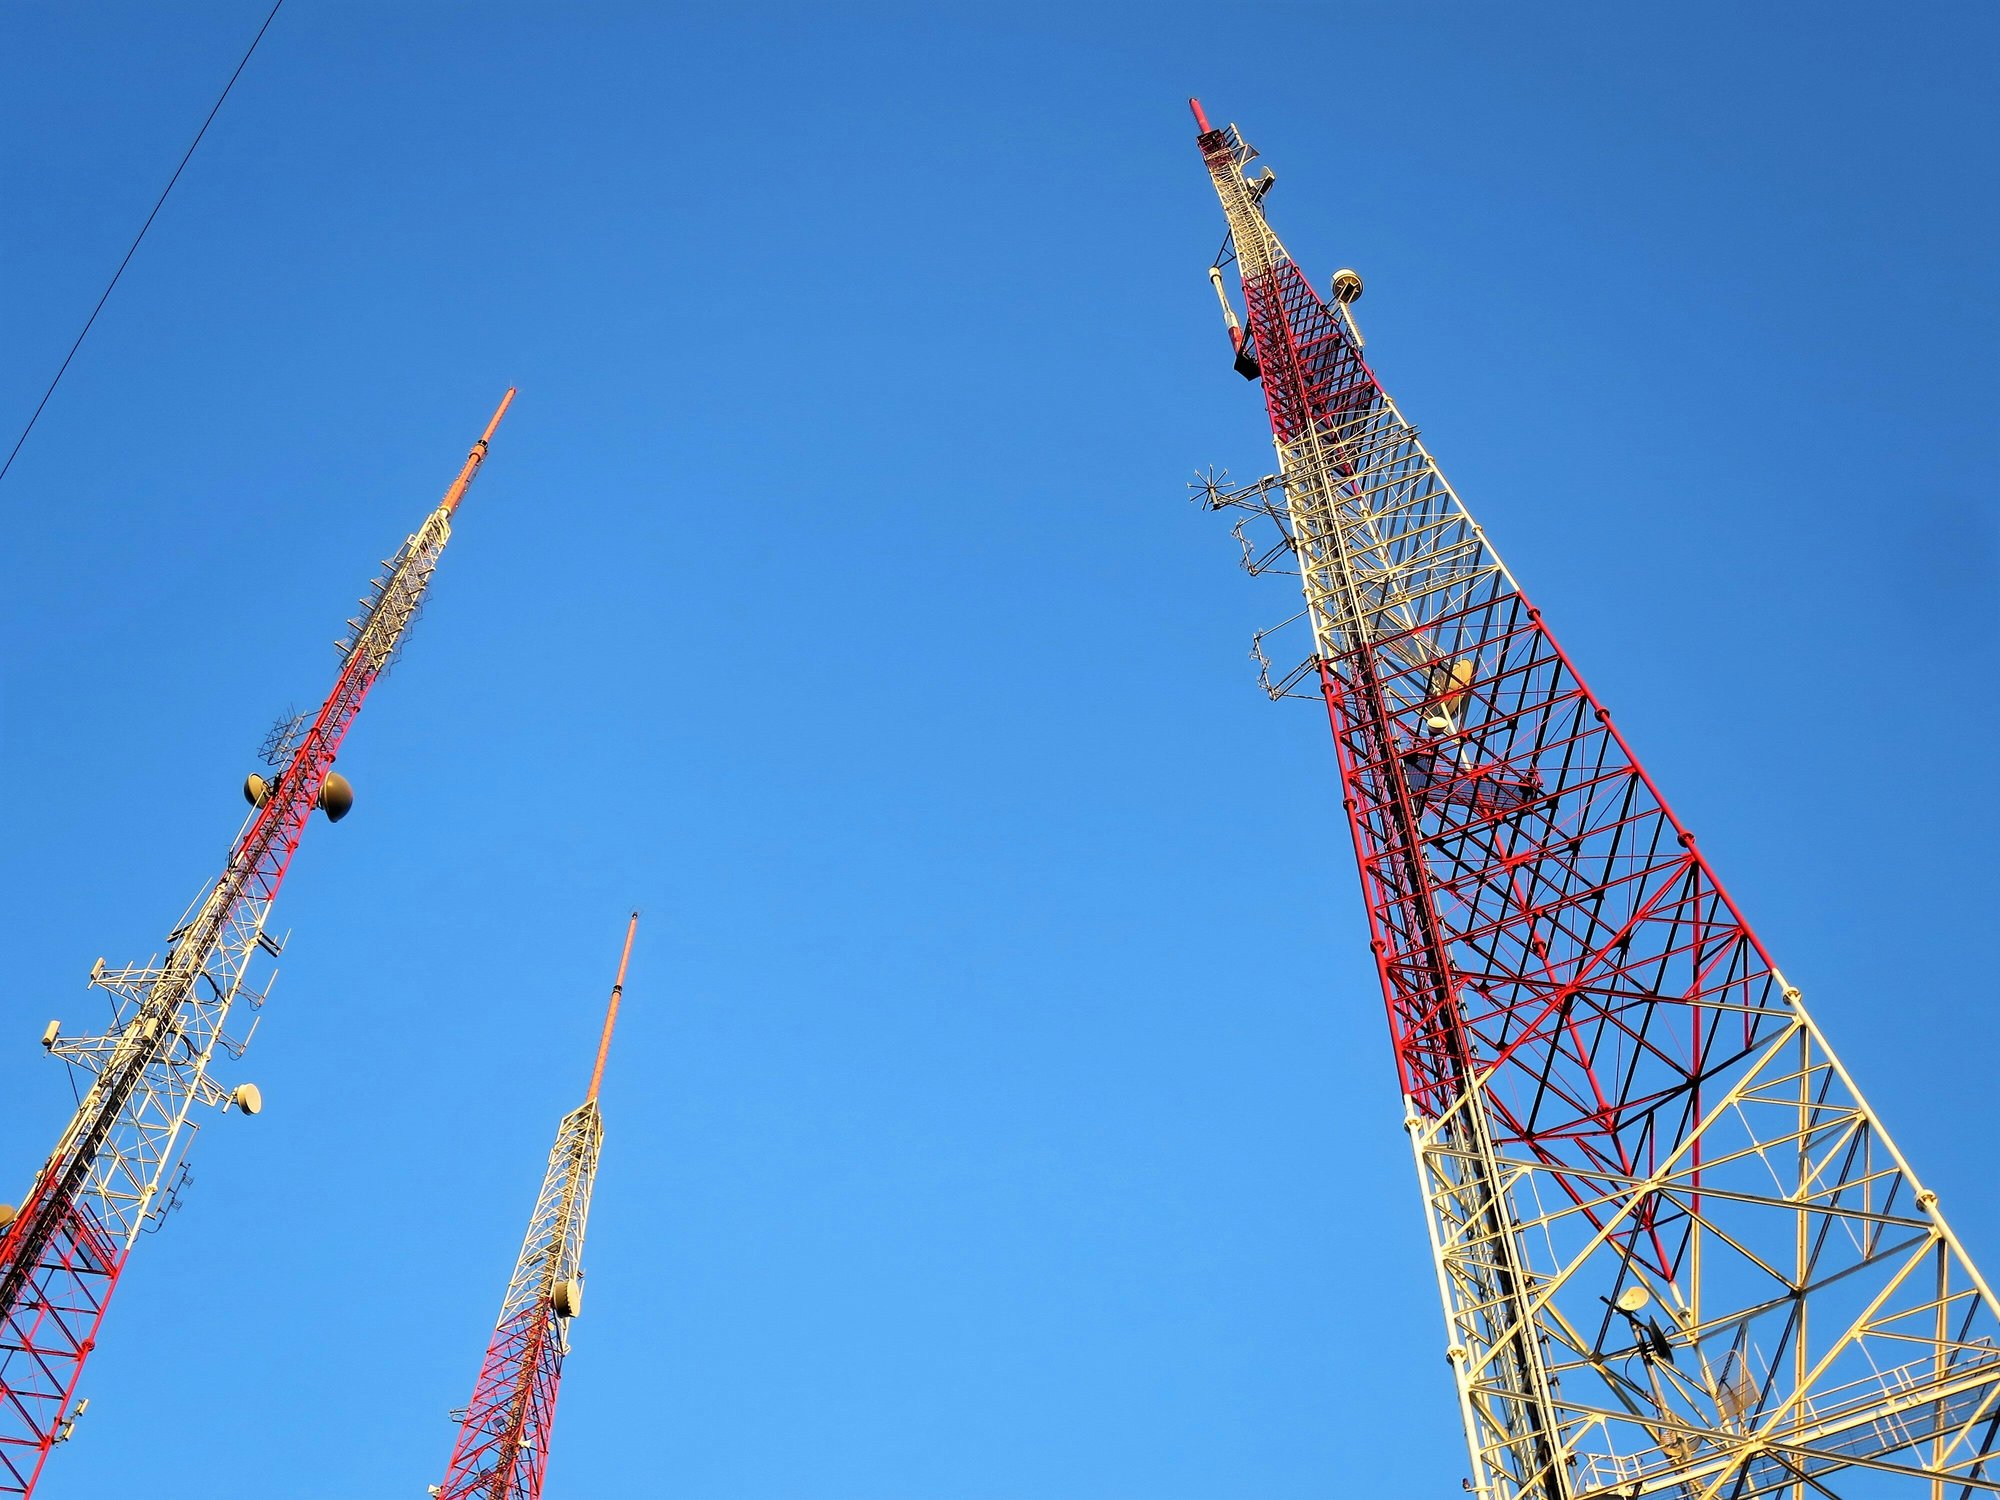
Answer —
1003 1106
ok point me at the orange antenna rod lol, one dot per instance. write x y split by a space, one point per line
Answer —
617 988
476 457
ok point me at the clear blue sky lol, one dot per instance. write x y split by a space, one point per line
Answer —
1004 1109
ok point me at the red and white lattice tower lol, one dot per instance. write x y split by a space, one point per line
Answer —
1677 1251
502 1450
119 1164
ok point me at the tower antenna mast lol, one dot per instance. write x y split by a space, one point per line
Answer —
119 1164
502 1448
1678 1253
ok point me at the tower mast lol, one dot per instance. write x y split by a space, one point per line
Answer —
502 1449
1677 1251
118 1165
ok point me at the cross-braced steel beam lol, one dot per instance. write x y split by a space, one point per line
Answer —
502 1448
118 1166
1677 1252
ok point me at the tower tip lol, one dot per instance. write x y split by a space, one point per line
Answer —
476 457
611 1010
1200 116
499 412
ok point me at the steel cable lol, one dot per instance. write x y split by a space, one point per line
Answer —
160 203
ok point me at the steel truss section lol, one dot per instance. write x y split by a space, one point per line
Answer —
1677 1252
118 1166
502 1449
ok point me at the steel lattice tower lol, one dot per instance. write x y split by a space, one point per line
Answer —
1678 1253
118 1166
502 1450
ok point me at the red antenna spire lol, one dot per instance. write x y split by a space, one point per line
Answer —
502 1448
117 1167
1677 1250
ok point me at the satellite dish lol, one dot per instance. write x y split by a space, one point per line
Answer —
248 1098
7 1213
1632 1299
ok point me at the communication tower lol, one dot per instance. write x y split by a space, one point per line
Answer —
502 1450
118 1166
1677 1251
